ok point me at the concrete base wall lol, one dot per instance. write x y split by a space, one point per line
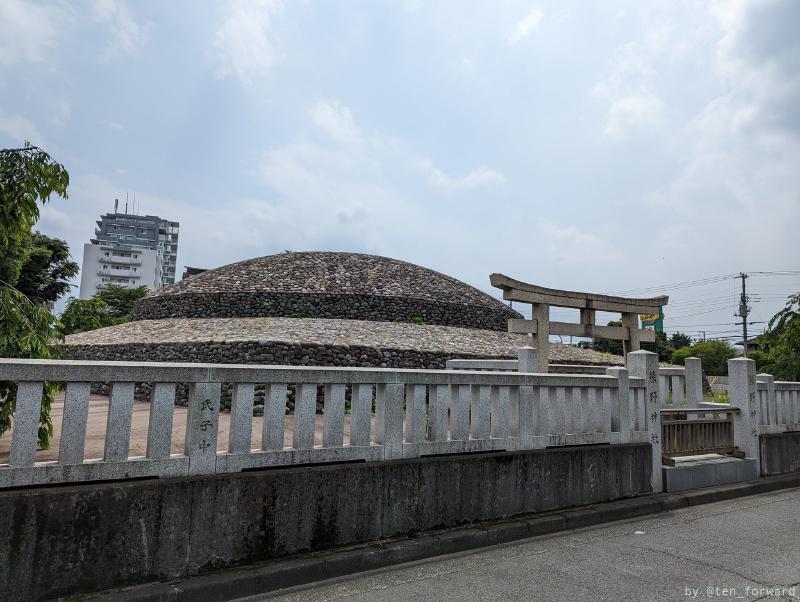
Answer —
61 540
780 454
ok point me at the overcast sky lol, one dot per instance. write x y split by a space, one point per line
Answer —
591 146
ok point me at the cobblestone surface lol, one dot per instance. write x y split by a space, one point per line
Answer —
262 334
327 285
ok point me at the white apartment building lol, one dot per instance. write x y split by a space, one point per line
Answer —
129 250
105 264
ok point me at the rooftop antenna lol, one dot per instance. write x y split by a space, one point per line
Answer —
126 202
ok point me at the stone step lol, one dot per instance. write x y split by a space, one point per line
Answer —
693 472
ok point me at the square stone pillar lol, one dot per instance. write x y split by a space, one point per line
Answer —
526 359
742 391
631 322
694 381
644 364
541 340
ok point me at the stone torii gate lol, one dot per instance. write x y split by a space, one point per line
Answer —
541 327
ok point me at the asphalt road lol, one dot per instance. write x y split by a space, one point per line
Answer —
743 549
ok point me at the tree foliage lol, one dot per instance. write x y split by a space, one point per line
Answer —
781 342
113 305
714 356
45 275
81 315
27 332
28 176
120 299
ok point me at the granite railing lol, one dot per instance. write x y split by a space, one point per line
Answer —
779 404
392 414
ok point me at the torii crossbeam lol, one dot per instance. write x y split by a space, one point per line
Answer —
541 327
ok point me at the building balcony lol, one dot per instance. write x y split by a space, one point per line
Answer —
119 273
121 260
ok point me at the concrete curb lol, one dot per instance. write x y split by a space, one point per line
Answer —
280 574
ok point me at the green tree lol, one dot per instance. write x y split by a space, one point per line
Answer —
81 315
714 356
120 299
45 275
679 339
112 305
782 342
28 176
662 347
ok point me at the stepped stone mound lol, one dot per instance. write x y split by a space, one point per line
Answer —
328 285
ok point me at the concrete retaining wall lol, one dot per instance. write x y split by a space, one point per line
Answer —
57 541
780 454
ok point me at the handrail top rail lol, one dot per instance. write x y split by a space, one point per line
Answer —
672 412
504 282
31 370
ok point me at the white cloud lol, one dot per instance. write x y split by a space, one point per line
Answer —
477 178
243 42
741 150
571 245
29 30
20 129
527 25
125 34
632 112
336 121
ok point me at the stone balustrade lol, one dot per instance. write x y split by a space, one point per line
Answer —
392 414
779 405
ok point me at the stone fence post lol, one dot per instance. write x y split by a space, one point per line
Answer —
526 359
201 427
694 381
620 417
742 391
644 364
771 407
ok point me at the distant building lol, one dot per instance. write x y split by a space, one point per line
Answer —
129 250
190 271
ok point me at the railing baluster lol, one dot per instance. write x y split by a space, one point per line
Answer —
415 413
500 411
459 412
579 409
527 404
479 423
25 432
610 406
73 424
159 430
360 413
305 410
663 389
333 416
678 390
389 419
274 416
118 426
557 412
541 406
241 426
438 407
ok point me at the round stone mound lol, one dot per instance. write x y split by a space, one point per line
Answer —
328 285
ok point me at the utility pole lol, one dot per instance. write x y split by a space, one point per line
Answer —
703 332
744 310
